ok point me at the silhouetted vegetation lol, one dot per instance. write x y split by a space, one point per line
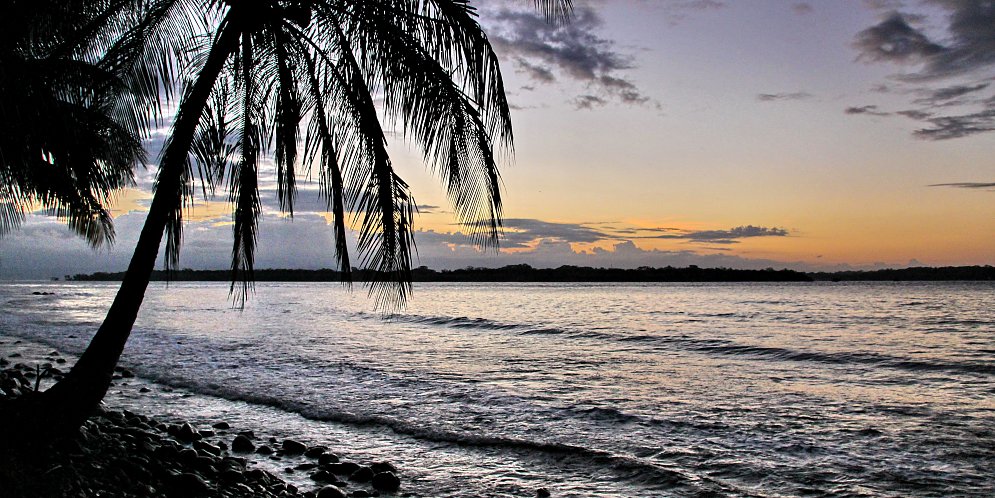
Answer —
566 273
513 273
918 273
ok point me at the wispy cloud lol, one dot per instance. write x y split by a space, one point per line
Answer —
964 59
870 110
968 185
523 232
802 8
548 53
777 97
895 40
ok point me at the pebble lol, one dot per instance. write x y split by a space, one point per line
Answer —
362 474
386 481
315 451
330 492
292 447
242 444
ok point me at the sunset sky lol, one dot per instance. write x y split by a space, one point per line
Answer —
808 135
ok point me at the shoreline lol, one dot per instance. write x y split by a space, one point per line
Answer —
122 453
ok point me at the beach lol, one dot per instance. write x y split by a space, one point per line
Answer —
122 453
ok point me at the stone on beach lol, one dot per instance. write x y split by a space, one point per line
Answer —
292 447
386 481
315 451
242 444
362 474
191 484
330 492
383 467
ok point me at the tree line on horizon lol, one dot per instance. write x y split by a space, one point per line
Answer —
569 273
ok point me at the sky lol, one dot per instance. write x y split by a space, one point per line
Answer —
819 135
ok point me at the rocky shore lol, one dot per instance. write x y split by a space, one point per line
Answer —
123 454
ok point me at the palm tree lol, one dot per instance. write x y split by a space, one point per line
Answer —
267 67
61 148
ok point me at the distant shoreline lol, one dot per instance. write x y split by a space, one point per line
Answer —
526 273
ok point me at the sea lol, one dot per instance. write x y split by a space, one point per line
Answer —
588 390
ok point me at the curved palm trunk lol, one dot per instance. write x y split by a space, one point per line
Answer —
61 410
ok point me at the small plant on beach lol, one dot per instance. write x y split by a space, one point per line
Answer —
267 76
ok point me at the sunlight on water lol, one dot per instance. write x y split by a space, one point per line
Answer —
591 390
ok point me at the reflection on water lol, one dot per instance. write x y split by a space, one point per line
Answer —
592 390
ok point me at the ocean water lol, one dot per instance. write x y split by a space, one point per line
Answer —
608 390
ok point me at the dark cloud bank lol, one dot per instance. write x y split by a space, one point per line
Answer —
965 52
547 53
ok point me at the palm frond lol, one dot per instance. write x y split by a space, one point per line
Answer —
244 182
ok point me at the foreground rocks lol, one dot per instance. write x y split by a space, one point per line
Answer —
123 454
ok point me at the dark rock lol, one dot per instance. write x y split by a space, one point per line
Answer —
188 456
342 468
542 493
247 434
205 464
127 374
206 433
135 471
362 474
207 447
315 451
386 481
330 492
189 483
383 467
231 475
361 493
323 476
256 475
292 447
166 452
54 353
60 360
327 458
186 433
144 390
234 463
306 466
246 491
264 450
221 426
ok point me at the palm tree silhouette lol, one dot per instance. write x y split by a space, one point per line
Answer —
267 66
61 148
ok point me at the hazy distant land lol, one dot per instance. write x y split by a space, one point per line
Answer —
526 273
